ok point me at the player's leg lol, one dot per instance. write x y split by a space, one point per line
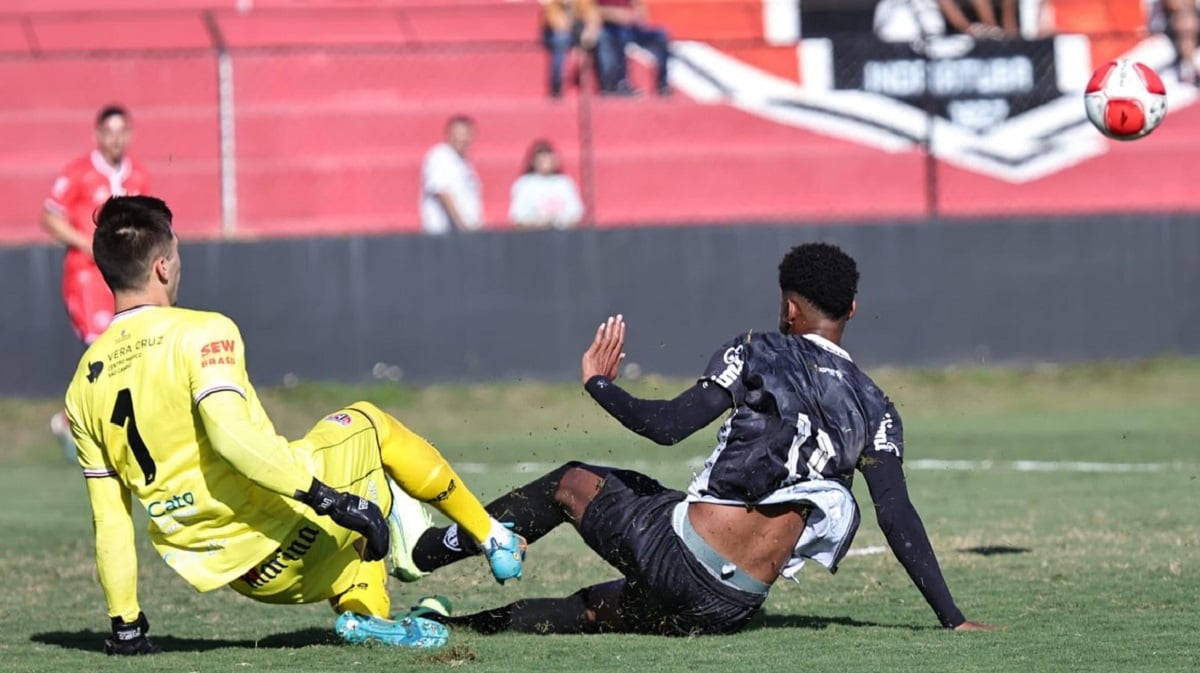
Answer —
364 609
657 41
321 560
534 509
629 520
89 302
89 305
591 610
424 474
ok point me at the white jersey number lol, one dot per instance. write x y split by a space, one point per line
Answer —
819 458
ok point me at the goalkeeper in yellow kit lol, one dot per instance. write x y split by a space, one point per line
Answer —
161 409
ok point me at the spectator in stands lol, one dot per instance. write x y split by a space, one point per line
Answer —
543 196
84 185
451 196
981 19
625 23
1177 18
567 25
910 20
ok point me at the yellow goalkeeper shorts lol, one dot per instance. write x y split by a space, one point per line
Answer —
319 560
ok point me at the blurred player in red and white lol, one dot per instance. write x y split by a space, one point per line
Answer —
84 185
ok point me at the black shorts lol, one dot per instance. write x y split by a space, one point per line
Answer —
668 591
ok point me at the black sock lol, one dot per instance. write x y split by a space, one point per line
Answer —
531 509
534 615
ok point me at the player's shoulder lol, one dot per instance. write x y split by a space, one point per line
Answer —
137 168
196 318
871 396
78 166
176 315
88 369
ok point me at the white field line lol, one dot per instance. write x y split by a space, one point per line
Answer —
866 551
919 464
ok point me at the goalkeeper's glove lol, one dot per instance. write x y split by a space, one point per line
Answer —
130 638
353 512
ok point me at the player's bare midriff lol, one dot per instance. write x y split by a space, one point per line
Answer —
758 540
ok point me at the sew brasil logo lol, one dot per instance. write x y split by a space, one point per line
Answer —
1009 109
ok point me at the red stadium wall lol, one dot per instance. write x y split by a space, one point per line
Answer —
335 104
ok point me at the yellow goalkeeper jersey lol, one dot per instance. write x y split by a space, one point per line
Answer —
133 410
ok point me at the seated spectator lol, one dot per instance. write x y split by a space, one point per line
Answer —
566 25
625 23
982 19
543 196
912 20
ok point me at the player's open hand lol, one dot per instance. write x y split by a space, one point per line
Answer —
603 357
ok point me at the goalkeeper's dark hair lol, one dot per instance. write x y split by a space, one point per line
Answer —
131 231
822 274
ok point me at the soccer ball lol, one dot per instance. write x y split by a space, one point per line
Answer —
1125 99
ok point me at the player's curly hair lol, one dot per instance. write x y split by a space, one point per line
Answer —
130 232
822 274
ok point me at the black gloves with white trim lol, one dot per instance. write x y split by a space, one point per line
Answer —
353 512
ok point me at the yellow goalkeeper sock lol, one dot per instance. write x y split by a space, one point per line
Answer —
368 595
421 471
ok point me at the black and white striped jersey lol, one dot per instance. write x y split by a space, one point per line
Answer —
802 410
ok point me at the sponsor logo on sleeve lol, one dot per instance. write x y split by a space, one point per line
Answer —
835 373
218 353
882 443
733 367
341 418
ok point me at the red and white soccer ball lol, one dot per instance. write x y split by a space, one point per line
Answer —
1125 99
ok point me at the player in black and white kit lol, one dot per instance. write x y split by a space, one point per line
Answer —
774 493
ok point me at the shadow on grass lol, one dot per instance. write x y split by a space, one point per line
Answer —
93 641
770 621
996 550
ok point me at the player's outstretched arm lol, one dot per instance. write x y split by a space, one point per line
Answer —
906 536
660 421
116 563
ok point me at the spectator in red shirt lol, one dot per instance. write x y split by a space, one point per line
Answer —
84 185
625 23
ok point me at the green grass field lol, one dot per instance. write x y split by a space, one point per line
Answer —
1090 567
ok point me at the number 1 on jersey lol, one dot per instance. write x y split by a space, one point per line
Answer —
122 412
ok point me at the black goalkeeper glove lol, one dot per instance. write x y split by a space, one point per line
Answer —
130 639
350 511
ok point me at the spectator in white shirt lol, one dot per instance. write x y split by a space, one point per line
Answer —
451 196
544 196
